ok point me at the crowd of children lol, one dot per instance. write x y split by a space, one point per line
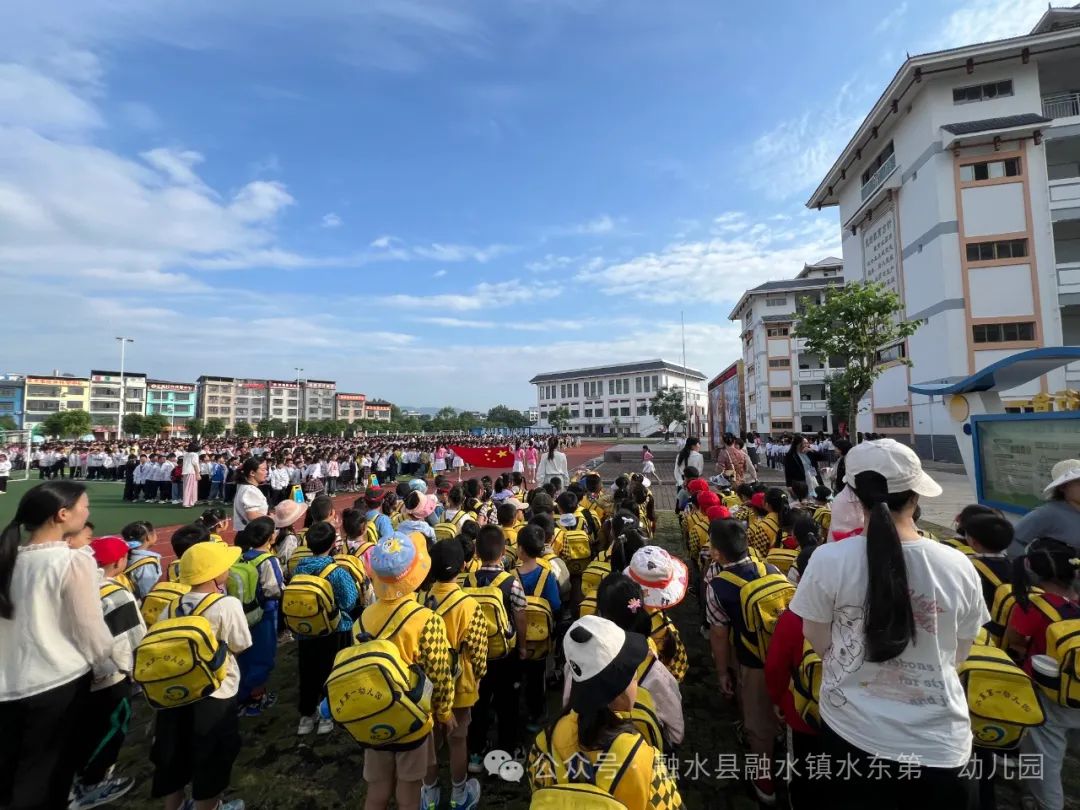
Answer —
432 625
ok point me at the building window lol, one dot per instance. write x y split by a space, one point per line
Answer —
574 413
896 352
637 385
611 388
780 393
982 92
989 251
781 425
642 409
781 362
292 411
624 411
277 411
900 419
778 331
588 413
649 385
212 410
990 170
576 390
562 391
883 157
1003 332
655 382
776 300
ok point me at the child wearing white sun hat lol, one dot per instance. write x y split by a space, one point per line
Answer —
603 661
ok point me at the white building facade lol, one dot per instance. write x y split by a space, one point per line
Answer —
784 384
111 395
961 192
614 400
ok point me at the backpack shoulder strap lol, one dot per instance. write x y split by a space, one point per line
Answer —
257 561
625 748
450 602
206 604
328 570
139 563
541 583
1045 607
402 613
734 579
986 571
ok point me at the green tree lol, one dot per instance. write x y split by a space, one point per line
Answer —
395 414
855 323
838 396
277 427
213 428
310 428
243 430
616 426
67 423
154 424
501 415
195 427
133 424
666 407
8 423
559 418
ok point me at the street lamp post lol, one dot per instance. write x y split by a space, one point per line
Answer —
124 341
299 399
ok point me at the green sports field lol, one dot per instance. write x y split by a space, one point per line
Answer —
108 511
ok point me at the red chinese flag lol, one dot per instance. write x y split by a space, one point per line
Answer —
493 457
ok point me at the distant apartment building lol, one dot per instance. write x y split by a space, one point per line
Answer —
48 394
614 399
175 401
960 190
113 394
378 410
784 384
318 400
532 413
349 407
249 400
284 399
12 389
216 399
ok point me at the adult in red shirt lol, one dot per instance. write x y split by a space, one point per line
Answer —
1054 565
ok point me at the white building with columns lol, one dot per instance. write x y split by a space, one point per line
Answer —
961 191
605 400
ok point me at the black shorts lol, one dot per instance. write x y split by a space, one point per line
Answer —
195 745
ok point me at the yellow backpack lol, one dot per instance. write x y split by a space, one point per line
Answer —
1001 698
782 558
1002 609
806 686
174 571
539 620
1063 645
593 575
646 720
308 604
761 600
661 627
373 693
575 547
579 783
180 659
355 566
301 552
587 606
501 633
160 597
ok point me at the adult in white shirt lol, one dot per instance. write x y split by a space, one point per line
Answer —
54 642
689 456
249 502
5 473
891 614
189 474
553 464
73 463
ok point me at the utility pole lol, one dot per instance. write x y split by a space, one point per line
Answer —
299 399
686 398
124 341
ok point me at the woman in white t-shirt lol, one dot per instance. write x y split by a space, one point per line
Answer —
553 464
189 474
689 456
249 502
891 613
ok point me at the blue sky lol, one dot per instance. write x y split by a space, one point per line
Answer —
427 200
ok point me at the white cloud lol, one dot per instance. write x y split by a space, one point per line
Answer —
795 154
140 116
552 261
718 269
985 20
331 220
599 225
260 200
148 279
40 102
438 274
483 296
177 165
385 242
891 19
485 322
439 252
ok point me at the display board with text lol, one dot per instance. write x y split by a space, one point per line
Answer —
1014 454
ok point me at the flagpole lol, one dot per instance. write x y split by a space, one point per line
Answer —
686 399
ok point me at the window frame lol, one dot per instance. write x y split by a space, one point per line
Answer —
1002 88
998 332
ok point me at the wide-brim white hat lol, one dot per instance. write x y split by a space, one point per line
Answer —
1063 472
663 578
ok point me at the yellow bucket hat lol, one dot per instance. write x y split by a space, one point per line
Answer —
206 561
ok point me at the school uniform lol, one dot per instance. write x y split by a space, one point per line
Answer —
257 662
466 631
197 744
143 577
534 671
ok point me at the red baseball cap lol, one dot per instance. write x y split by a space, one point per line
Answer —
717 512
706 500
758 501
374 494
697 485
108 550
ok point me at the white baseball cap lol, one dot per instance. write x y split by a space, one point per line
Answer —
603 660
898 464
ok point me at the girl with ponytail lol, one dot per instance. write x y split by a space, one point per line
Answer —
1052 567
53 641
891 613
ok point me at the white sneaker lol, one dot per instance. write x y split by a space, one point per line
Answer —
326 725
430 796
307 725
102 793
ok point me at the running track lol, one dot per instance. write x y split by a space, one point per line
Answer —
575 457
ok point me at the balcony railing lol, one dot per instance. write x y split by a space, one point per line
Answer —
878 177
813 406
811 374
1061 105
1064 193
